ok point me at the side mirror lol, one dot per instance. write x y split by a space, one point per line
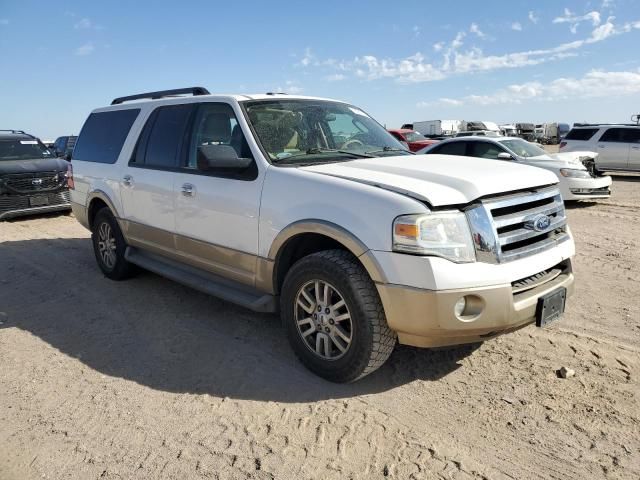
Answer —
67 157
220 157
504 156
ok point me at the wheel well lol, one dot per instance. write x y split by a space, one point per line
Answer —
94 207
298 247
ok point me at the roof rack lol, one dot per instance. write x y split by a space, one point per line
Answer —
14 131
275 93
195 91
605 124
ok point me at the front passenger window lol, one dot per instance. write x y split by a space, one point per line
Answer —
485 150
216 124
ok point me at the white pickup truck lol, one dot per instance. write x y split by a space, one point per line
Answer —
309 207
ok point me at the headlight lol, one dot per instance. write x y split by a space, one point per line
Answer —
574 173
443 234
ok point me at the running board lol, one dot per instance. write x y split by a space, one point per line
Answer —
202 281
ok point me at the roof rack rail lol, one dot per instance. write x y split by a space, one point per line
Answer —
195 91
14 131
604 124
275 93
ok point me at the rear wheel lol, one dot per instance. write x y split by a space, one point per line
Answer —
109 246
334 318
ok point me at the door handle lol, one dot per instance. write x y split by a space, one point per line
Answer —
127 180
635 148
187 190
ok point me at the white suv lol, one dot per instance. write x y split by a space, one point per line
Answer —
618 146
309 207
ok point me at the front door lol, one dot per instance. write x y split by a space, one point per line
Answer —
217 211
632 135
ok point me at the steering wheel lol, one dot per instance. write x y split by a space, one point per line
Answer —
353 141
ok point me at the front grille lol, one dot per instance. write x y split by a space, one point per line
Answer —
518 225
33 182
10 203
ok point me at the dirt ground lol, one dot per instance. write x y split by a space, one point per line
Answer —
146 379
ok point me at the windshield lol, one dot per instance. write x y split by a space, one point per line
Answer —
23 150
301 131
414 137
523 148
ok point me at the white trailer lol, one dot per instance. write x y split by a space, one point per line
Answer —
436 128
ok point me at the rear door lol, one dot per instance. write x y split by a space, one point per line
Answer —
632 136
613 149
148 181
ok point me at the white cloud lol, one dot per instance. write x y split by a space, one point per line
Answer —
87 24
307 58
533 17
336 77
474 28
86 49
457 60
416 31
575 20
517 26
290 86
595 84
4 21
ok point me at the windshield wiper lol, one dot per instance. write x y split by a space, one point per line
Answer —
389 149
319 151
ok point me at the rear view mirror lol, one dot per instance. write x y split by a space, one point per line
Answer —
505 156
220 157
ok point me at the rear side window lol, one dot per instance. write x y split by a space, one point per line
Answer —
103 135
581 133
161 140
452 148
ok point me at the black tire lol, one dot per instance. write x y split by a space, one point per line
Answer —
120 269
372 341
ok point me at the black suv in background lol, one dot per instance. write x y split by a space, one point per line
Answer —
32 179
63 146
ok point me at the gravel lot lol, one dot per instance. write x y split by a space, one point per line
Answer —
148 379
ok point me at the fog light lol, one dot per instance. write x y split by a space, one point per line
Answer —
468 308
460 306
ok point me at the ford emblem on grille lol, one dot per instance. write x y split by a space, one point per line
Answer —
539 223
36 182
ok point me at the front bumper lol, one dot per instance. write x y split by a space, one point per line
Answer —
426 318
19 205
586 188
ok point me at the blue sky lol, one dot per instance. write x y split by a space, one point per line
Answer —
504 61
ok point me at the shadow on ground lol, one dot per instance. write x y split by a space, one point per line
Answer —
160 334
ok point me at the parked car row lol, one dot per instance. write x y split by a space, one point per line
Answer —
546 133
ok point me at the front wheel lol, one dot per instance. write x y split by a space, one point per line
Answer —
334 317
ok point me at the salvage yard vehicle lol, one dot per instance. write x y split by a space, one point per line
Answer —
576 181
309 207
32 180
63 146
618 145
414 140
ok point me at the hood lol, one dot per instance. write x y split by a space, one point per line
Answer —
561 160
33 166
439 179
575 157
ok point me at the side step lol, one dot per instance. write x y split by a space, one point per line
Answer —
203 281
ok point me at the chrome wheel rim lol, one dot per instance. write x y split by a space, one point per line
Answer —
323 320
107 245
